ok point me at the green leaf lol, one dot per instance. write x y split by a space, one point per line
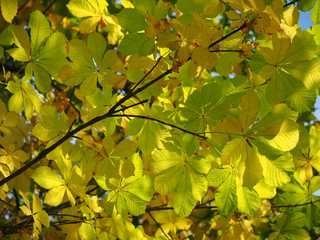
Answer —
290 226
136 206
183 198
144 5
248 201
132 20
23 95
218 175
97 46
167 180
40 29
303 48
134 43
250 170
306 5
134 126
248 109
148 137
160 10
301 99
6 38
226 195
315 13
200 164
47 178
142 188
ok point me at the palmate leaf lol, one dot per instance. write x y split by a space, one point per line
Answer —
290 226
184 177
93 11
42 60
90 63
150 132
306 155
273 131
132 195
40 217
60 187
51 126
202 108
23 96
285 64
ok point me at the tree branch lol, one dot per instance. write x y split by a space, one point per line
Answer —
102 117
162 122
228 35
290 3
159 225
295 205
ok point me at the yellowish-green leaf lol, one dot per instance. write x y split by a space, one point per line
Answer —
55 196
87 230
47 178
277 172
40 29
287 137
233 151
250 170
21 39
248 109
248 201
226 195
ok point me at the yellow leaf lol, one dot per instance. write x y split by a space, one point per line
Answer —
291 15
9 9
55 196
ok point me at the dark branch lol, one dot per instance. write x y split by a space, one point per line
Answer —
99 118
158 224
150 71
228 35
295 205
162 122
290 3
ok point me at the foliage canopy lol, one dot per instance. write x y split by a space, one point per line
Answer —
159 119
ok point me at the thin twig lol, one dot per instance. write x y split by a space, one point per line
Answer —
162 122
25 3
295 205
228 35
159 225
150 71
133 105
226 50
290 3
49 6
99 118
